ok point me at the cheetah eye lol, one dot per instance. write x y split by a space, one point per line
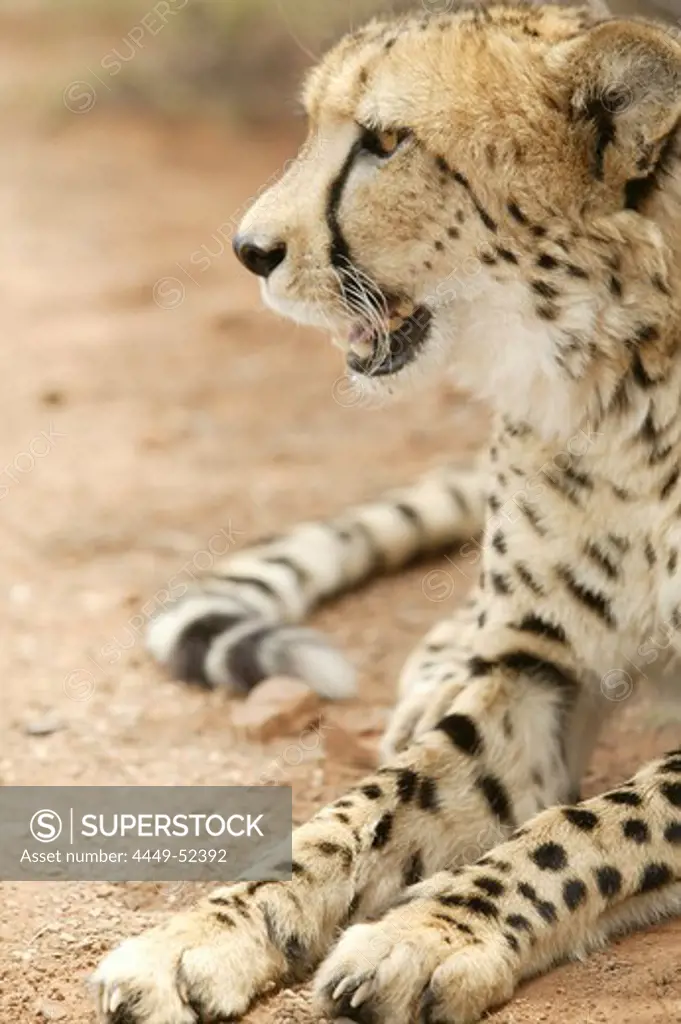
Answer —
383 144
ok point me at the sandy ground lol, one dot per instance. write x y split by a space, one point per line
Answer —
164 414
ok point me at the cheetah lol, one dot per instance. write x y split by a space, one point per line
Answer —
494 193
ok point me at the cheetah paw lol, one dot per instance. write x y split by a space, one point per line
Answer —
194 968
409 968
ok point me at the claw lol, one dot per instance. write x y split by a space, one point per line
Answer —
341 988
360 995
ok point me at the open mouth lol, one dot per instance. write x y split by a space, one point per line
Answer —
376 353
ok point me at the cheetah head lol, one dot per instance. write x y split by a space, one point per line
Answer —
442 208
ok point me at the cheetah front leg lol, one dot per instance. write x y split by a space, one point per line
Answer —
461 942
457 791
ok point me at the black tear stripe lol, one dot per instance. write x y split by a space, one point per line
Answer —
339 250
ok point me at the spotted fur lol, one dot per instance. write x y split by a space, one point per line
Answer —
498 191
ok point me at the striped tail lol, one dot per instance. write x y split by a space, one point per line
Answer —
242 624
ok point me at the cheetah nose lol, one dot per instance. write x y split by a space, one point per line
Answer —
258 259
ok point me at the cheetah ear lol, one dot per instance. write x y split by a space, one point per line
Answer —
625 96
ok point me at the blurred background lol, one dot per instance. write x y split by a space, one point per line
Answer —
244 55
153 413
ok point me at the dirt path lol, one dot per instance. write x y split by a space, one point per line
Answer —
159 427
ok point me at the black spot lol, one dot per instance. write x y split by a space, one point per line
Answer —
225 919
672 767
507 255
539 231
672 562
544 908
407 780
463 733
578 272
413 871
670 483
383 831
672 792
609 881
453 232
497 797
489 223
479 905
672 833
624 798
601 559
542 670
372 791
478 666
574 893
543 288
549 857
640 374
547 262
517 213
499 542
528 579
452 900
594 600
541 627
512 942
655 876
646 333
547 312
410 514
428 798
616 287
492 886
497 864
520 923
335 850
500 583
636 830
